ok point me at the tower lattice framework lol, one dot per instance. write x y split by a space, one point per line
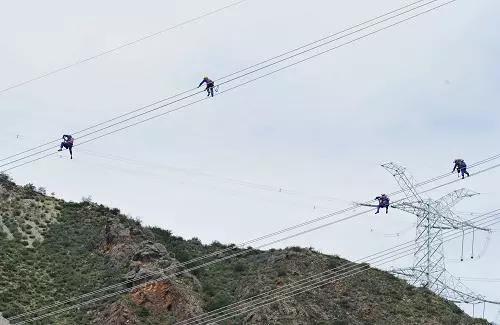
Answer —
433 217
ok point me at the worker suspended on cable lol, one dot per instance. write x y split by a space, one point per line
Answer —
460 167
67 144
210 86
383 202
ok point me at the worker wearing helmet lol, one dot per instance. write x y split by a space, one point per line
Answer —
210 86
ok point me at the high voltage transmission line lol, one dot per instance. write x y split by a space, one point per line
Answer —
228 180
189 104
433 217
215 254
327 277
438 279
242 70
300 225
486 280
318 280
297 226
310 285
256 68
122 46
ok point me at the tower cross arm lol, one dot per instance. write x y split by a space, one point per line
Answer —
453 198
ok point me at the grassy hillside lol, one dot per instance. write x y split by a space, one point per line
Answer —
51 250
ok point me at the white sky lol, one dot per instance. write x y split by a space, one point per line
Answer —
420 94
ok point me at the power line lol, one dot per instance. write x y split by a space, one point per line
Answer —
305 284
368 259
314 285
490 280
244 251
240 253
270 235
308 222
327 40
112 50
203 99
387 27
222 78
230 189
141 285
229 180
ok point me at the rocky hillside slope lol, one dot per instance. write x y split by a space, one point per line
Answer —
51 250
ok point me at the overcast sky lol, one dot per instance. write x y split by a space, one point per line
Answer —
420 94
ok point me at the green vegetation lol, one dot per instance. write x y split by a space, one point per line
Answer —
52 250
62 265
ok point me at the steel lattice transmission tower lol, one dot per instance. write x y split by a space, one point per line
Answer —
433 217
